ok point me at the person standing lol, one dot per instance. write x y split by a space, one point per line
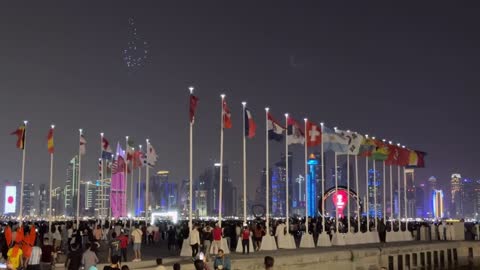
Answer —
207 239
245 239
221 261
33 262
89 257
194 240
114 248
48 253
137 243
123 245
74 259
217 239
258 233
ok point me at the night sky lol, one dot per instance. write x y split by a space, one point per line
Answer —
405 72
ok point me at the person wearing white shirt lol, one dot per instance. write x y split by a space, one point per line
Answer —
194 240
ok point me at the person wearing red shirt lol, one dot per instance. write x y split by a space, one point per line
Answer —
123 245
245 239
217 239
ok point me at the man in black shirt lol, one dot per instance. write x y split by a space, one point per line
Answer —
74 259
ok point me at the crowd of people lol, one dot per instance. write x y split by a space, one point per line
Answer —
37 246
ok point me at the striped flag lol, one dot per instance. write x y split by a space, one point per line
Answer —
20 133
50 145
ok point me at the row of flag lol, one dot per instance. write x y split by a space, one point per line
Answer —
335 140
118 161
339 141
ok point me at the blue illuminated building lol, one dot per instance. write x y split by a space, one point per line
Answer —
312 180
375 187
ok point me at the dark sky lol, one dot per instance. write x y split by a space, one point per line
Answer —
406 72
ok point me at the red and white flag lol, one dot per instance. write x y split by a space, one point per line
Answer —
227 116
314 134
250 126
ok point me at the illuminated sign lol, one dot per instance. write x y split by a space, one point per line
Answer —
10 199
340 200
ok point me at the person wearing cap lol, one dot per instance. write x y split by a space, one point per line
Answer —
245 239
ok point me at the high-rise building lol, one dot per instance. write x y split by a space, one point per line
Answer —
43 198
420 201
456 196
58 202
28 199
314 183
71 185
431 185
278 187
410 189
163 193
437 204
184 197
87 198
375 190
471 198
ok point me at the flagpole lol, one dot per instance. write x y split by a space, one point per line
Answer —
367 208
50 187
405 197
79 178
398 195
287 221
306 180
23 170
147 183
190 177
391 193
244 104
384 193
102 187
323 181
139 184
375 206
125 196
348 190
267 176
358 198
336 192
132 184
221 165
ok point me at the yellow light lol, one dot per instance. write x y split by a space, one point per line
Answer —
162 172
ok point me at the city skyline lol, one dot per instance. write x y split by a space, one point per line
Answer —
67 68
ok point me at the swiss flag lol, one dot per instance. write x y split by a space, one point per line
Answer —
313 134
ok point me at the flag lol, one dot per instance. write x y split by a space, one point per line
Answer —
227 116
100 168
333 141
20 133
295 134
130 149
138 159
354 141
152 156
193 107
275 130
118 165
106 149
83 144
313 134
416 159
366 147
250 126
50 146
403 157
381 151
393 155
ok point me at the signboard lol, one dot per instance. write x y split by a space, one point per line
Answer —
10 199
340 200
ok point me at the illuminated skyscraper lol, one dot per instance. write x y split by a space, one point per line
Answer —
71 187
437 203
313 181
411 200
456 197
